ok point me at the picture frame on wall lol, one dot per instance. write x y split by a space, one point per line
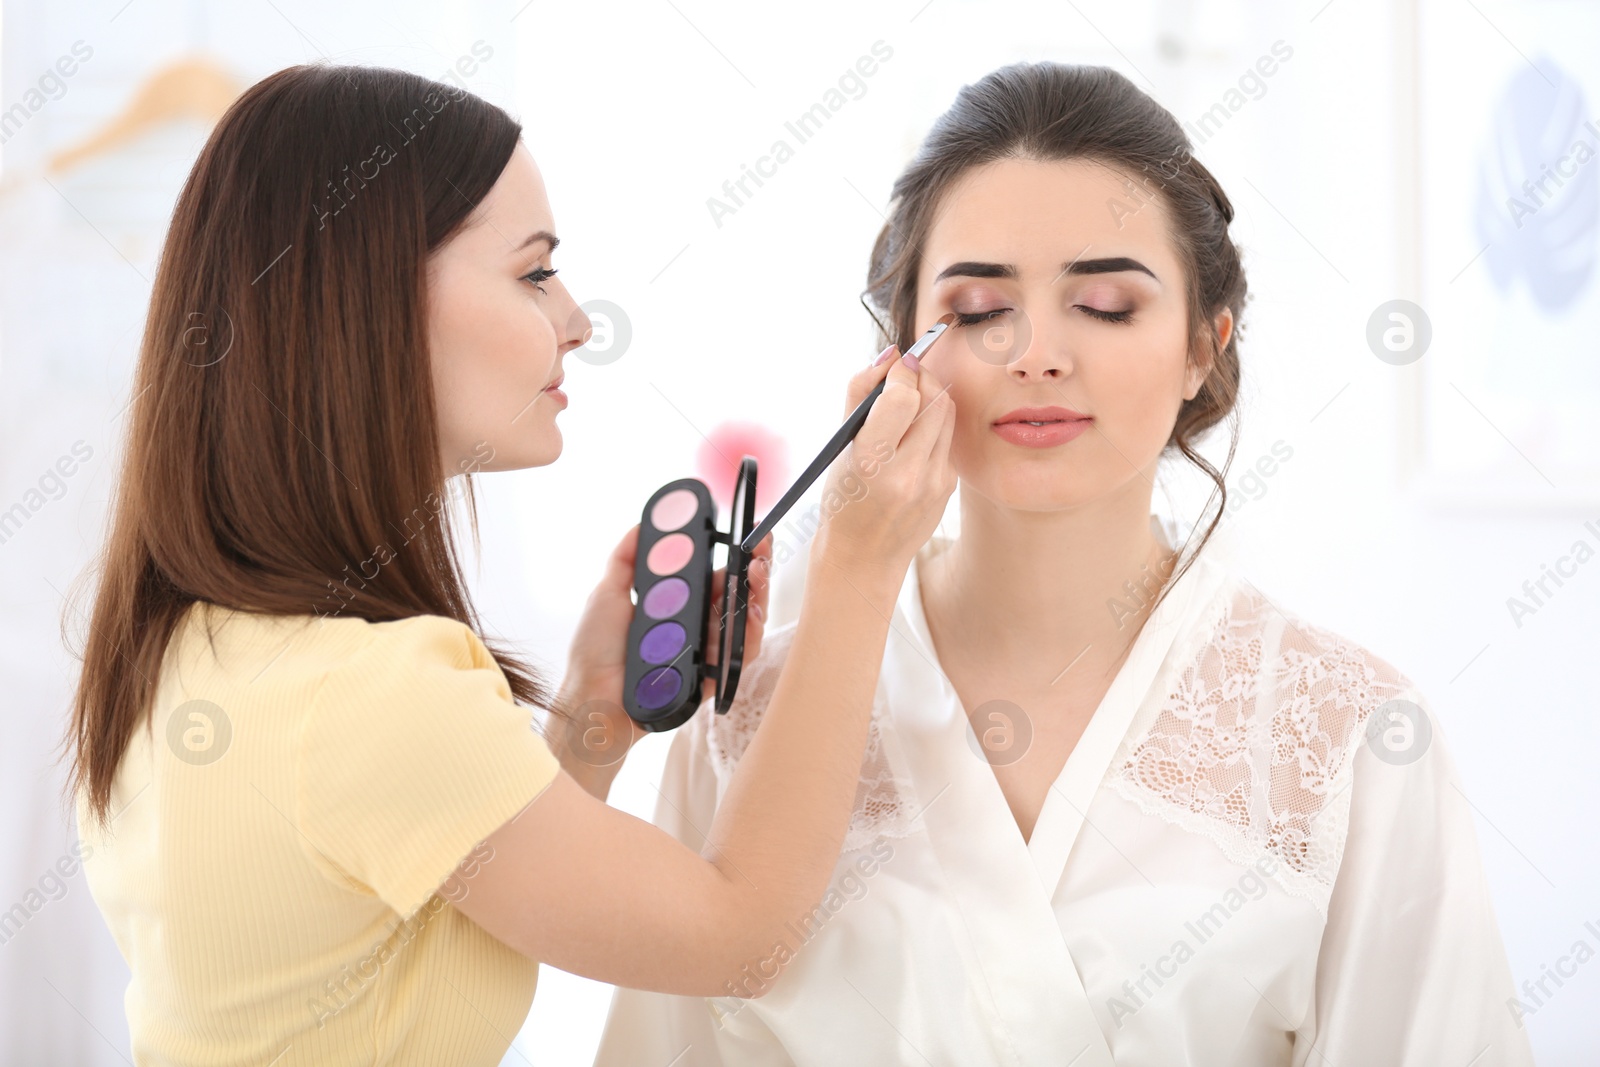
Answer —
1504 339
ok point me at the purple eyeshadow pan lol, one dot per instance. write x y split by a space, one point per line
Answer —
666 598
662 642
658 688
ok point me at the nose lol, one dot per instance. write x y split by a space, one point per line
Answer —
578 329
1039 351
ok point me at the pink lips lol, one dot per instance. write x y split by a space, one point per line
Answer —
1041 427
554 389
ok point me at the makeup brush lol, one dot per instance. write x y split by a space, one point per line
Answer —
836 444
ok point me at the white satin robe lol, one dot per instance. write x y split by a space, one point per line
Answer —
1226 872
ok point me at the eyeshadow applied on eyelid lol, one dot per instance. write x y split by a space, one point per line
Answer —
978 318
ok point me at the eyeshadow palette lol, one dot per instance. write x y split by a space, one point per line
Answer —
673 579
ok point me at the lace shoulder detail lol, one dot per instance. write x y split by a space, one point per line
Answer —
880 808
1252 746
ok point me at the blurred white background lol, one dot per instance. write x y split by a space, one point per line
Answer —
1373 165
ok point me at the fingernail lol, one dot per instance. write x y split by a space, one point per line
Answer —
884 356
911 361
760 612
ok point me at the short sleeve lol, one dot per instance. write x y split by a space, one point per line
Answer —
1412 970
411 753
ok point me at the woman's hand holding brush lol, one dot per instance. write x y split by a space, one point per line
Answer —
896 476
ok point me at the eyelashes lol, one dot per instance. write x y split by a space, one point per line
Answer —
963 319
540 274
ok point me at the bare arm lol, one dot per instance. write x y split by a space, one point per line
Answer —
595 891
600 893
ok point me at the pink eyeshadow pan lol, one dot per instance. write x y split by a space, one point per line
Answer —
673 511
670 554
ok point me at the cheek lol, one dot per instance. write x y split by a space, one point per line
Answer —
501 343
969 389
504 325
1137 386
450 343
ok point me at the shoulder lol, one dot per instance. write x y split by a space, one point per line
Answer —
423 639
1249 658
1254 739
318 645
412 662
1305 663
412 692
408 751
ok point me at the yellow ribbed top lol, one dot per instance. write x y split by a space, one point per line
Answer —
281 830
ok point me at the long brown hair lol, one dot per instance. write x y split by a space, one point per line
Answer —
1055 111
281 452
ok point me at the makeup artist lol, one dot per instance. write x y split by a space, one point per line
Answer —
318 820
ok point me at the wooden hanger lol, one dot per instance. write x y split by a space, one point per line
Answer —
194 87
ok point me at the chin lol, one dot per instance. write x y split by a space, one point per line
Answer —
1034 486
1044 498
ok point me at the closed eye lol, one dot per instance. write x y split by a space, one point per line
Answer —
963 319
540 274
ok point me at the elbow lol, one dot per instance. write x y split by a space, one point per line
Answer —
748 937
746 967
753 945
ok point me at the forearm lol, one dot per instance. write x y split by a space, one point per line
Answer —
778 829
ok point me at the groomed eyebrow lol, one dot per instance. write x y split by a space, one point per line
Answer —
1112 265
541 235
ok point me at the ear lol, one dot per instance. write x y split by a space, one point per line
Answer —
1197 374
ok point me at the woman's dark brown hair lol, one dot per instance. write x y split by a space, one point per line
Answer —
1053 111
281 452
